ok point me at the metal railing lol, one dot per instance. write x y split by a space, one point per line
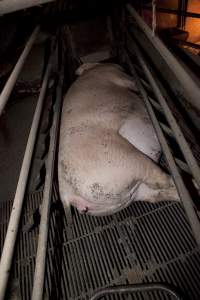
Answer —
136 288
192 165
39 275
12 230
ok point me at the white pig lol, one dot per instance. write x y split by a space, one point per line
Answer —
108 147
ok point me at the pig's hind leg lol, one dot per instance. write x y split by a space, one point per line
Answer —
148 194
157 186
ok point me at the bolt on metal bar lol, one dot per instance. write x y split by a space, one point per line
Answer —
146 287
38 285
183 192
190 84
11 235
184 147
5 94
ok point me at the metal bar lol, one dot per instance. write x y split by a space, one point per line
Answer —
183 192
38 285
17 69
185 43
9 6
165 128
184 147
174 11
9 244
179 15
155 103
182 165
190 84
146 287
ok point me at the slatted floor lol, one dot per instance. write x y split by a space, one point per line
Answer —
143 243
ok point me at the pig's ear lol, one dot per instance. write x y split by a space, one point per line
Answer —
85 67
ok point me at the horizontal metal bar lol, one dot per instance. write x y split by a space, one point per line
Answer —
9 244
184 147
127 289
38 284
9 6
185 43
190 84
173 11
5 94
183 192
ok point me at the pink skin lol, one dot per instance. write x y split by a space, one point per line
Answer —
108 147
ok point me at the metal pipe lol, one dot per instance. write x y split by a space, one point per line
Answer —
146 287
173 11
11 235
17 69
184 147
182 165
185 43
38 285
9 6
183 192
165 128
190 84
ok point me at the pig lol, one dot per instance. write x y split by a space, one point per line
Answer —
108 149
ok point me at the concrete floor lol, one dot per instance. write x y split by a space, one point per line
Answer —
15 125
